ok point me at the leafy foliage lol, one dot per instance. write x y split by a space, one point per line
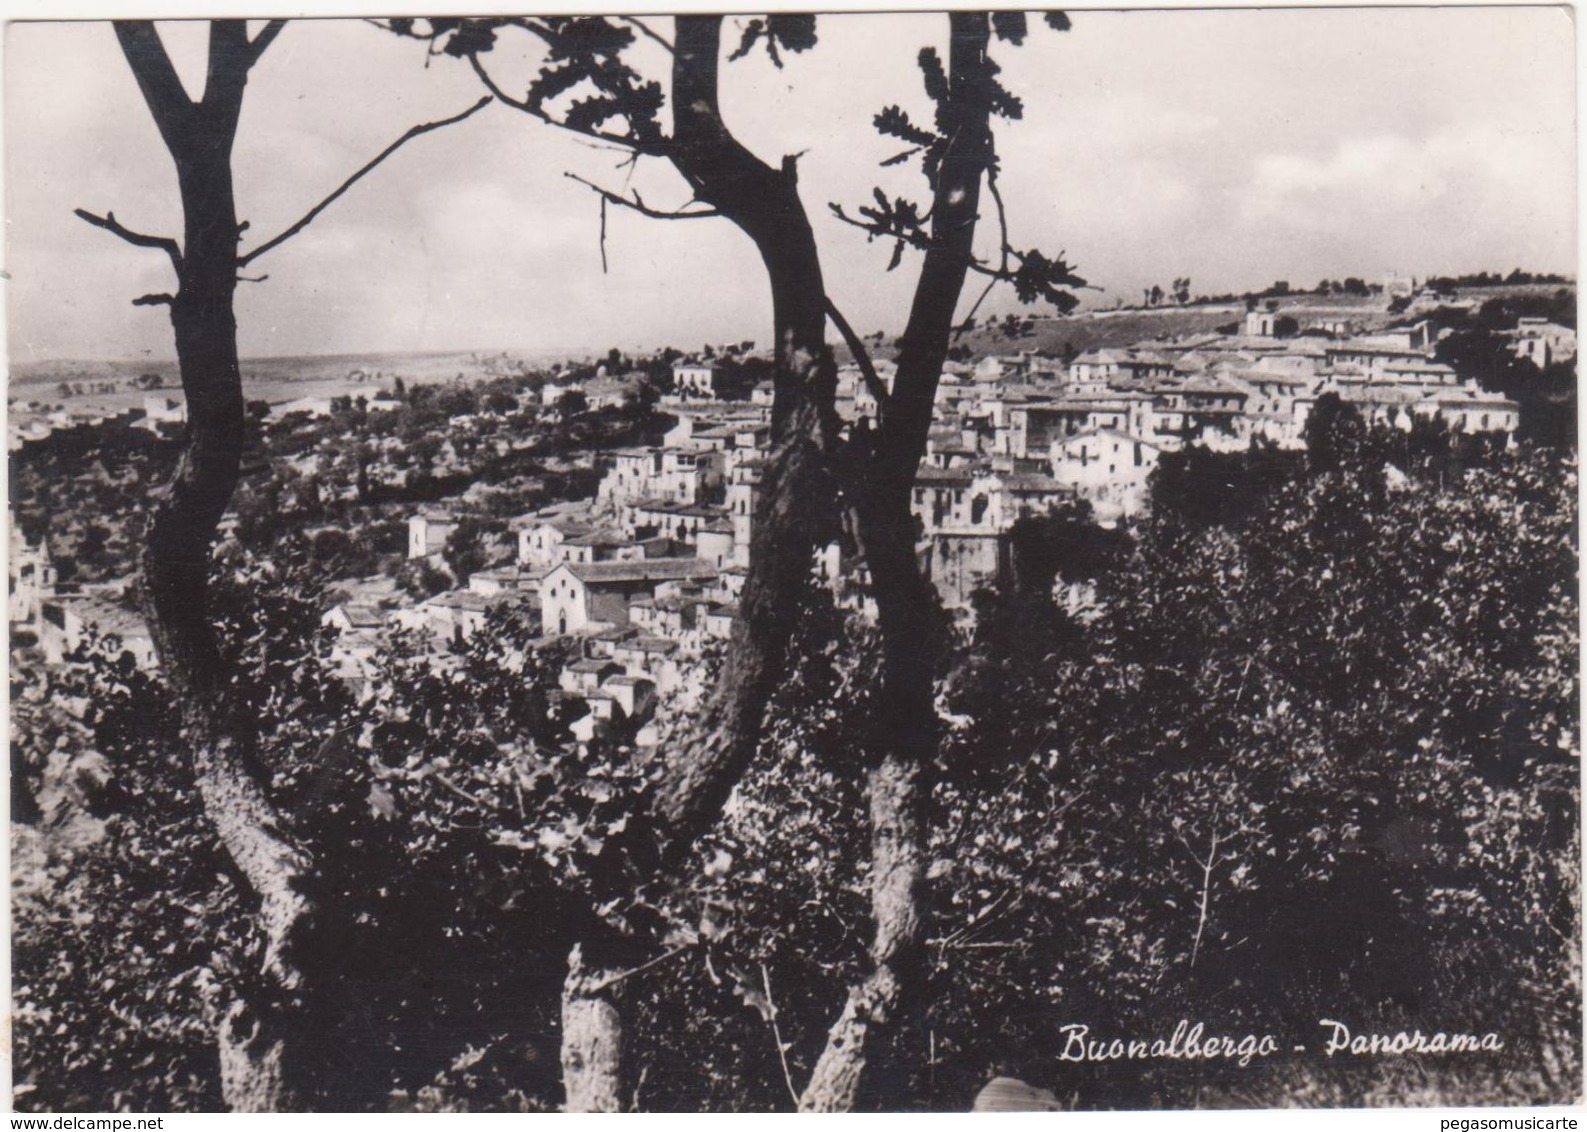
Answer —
115 978
1477 349
788 32
1365 698
584 65
1038 277
974 92
1009 27
1341 714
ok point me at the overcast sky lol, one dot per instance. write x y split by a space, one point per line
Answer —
1236 147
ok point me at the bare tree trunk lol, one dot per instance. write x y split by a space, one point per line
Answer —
592 1038
181 533
252 1076
904 740
796 511
797 505
896 872
256 1072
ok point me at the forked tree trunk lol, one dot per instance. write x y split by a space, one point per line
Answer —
181 532
796 511
797 506
904 740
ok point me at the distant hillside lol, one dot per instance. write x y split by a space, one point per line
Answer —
52 371
1096 330
1515 290
1092 330
1103 329
264 379
420 366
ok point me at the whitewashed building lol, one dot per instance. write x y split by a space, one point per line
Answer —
695 380
1107 467
576 597
428 532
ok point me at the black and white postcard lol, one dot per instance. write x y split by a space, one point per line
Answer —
859 562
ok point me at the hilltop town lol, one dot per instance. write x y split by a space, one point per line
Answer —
613 503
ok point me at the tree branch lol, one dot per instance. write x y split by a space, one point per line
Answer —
110 224
920 242
536 112
917 240
501 95
308 217
460 792
1002 272
613 980
978 921
643 27
264 39
1004 246
862 356
776 1034
230 58
151 66
157 78
966 324
1002 217
1206 892
638 203
156 300
383 25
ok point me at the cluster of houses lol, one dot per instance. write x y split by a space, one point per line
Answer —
66 618
1013 429
1542 342
644 575
648 571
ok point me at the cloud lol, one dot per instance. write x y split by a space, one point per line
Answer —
1360 170
1153 144
1470 177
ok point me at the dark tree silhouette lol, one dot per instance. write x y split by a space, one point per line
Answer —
198 135
956 158
796 510
797 507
